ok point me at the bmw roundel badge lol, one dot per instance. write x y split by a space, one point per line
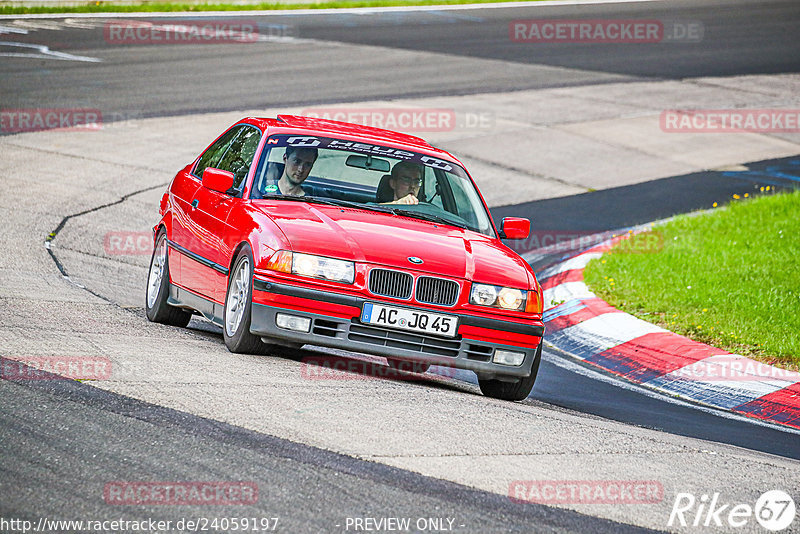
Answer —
415 260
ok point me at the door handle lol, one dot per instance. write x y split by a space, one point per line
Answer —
195 202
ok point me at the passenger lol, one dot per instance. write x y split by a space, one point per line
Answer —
405 181
297 163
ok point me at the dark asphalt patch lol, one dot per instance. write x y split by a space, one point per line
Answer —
69 439
630 205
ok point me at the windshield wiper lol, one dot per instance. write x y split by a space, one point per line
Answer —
306 198
331 202
356 205
373 207
428 217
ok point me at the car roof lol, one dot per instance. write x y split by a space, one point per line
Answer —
346 129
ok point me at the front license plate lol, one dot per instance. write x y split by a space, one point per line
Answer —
407 319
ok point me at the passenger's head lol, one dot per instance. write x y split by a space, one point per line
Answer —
298 162
406 179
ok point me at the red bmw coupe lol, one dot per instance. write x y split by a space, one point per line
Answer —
297 230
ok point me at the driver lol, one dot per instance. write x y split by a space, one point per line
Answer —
405 182
297 164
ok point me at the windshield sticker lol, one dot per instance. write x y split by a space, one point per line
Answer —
364 148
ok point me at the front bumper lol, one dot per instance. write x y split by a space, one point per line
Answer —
335 322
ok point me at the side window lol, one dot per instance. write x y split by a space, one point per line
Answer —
239 155
213 155
269 171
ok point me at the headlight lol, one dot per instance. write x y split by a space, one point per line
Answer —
313 266
483 295
510 299
506 298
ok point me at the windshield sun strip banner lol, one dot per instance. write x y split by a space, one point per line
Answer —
307 141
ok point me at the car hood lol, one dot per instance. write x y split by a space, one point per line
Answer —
389 240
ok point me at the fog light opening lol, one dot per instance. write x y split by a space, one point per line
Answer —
293 322
507 357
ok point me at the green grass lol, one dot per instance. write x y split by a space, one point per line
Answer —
164 7
729 278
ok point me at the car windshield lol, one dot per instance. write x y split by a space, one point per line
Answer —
368 176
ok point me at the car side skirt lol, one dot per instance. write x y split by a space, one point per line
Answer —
184 298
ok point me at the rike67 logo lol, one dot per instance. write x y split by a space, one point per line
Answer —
774 510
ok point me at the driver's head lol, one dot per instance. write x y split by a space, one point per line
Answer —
298 162
406 179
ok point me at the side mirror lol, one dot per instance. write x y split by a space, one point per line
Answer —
515 228
217 179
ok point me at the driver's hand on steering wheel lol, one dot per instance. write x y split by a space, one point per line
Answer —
408 199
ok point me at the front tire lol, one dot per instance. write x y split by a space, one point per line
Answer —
238 304
513 391
156 306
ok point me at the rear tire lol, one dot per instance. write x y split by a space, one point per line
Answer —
409 367
513 391
238 304
156 306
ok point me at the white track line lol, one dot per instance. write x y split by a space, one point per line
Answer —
37 25
8 29
44 52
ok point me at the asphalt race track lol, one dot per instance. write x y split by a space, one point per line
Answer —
740 38
179 407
